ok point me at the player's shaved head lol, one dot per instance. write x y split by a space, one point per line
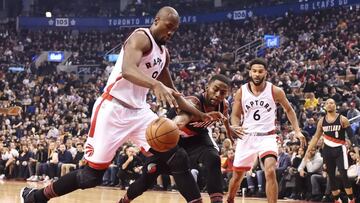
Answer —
168 12
330 100
165 24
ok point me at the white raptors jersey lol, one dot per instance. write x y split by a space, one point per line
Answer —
151 65
259 111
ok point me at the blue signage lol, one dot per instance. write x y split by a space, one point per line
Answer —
272 41
106 23
112 57
15 69
56 56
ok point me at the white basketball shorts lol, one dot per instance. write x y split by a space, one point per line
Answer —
112 124
249 148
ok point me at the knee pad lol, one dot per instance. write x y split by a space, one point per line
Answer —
89 177
179 162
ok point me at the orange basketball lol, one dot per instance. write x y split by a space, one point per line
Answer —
162 134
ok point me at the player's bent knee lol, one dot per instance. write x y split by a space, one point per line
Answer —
270 174
179 162
89 177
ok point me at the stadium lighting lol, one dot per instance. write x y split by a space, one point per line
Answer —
48 14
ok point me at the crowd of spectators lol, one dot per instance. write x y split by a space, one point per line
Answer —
116 8
319 58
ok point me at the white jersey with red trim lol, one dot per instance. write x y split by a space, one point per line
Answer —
151 64
259 111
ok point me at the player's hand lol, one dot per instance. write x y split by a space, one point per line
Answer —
237 131
301 137
165 95
207 119
212 116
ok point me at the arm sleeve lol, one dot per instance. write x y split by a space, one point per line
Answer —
171 113
351 136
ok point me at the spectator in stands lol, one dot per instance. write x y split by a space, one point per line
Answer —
311 101
324 94
10 154
310 127
65 161
353 111
79 157
129 166
256 173
53 160
292 172
110 176
227 167
22 162
70 147
334 94
309 166
53 132
226 146
41 171
2 160
283 162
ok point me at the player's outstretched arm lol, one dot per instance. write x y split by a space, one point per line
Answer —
184 105
236 109
232 132
236 130
280 97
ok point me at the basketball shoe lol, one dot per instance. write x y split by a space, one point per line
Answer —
27 195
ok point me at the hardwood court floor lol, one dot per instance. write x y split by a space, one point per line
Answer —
9 193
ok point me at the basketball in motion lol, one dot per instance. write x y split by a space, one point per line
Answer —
162 134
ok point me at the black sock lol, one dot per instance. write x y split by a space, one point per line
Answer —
351 196
39 196
64 185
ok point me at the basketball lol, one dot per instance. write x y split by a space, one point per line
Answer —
162 134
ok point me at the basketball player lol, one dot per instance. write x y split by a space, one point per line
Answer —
122 113
196 141
333 127
256 103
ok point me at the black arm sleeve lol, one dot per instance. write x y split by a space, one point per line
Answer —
351 136
171 113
